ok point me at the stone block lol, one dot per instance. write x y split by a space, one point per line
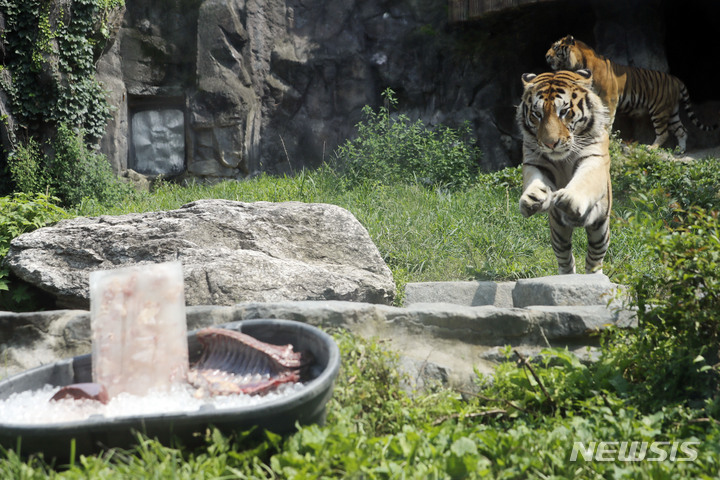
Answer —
470 294
567 290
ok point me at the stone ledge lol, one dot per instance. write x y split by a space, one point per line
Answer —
451 339
570 290
471 294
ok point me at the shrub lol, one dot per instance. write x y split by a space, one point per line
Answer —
78 172
26 168
74 173
393 149
22 213
19 214
646 175
673 355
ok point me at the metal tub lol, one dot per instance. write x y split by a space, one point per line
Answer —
97 433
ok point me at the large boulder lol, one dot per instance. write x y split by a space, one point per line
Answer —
231 252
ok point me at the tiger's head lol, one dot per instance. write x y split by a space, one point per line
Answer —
559 113
564 55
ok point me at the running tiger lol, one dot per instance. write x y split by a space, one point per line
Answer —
630 89
566 162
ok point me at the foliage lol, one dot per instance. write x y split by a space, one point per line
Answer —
46 45
22 213
391 149
650 181
74 173
562 383
673 356
26 166
49 64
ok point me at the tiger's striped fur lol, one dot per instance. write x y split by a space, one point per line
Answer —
566 162
630 90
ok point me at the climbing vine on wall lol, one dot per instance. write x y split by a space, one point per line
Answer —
49 51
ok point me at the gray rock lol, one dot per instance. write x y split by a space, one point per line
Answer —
28 340
577 289
231 252
418 375
564 323
460 293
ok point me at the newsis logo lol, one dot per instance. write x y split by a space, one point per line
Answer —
634 451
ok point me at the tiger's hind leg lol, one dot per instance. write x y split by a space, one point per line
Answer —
660 123
678 130
665 125
598 236
561 240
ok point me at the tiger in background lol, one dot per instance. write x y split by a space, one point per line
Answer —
630 89
566 162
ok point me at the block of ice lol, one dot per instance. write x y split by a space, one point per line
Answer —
139 331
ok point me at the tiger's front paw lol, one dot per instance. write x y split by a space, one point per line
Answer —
535 199
575 207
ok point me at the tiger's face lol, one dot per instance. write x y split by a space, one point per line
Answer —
564 55
558 110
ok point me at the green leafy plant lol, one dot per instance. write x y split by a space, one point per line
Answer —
674 354
392 149
74 173
19 214
651 181
27 169
77 172
554 382
22 212
44 43
49 63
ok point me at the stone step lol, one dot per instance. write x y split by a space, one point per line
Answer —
556 290
470 294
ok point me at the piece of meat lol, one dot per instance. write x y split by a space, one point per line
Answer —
83 391
233 362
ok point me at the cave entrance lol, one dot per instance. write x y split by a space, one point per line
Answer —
157 135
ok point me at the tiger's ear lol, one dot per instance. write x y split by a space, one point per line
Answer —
570 40
527 78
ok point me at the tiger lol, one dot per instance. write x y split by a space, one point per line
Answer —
566 162
631 90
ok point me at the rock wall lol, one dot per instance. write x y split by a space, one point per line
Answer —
275 85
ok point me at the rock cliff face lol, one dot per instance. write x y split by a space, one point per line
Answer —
275 85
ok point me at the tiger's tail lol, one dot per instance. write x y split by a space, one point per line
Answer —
691 114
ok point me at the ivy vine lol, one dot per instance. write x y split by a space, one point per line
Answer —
49 51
